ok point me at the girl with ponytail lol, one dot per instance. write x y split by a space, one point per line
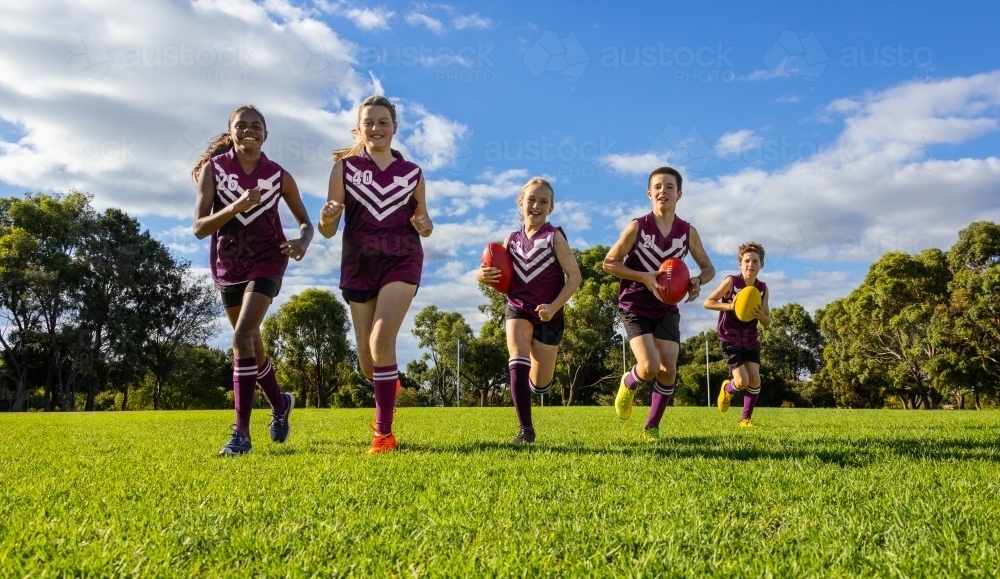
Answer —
381 196
237 205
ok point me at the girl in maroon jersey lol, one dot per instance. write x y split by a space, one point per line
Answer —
739 340
652 326
381 196
237 204
545 276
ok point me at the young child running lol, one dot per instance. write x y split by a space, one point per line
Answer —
381 195
738 339
545 276
237 204
652 326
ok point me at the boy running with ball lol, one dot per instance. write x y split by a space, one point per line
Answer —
739 339
652 326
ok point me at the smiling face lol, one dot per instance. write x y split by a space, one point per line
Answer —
247 131
536 205
376 127
750 264
663 191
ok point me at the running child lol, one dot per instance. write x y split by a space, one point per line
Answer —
237 204
381 196
652 326
739 340
545 276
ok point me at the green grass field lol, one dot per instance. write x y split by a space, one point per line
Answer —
811 493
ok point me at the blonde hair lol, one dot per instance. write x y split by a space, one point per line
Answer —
539 182
223 141
750 247
358 146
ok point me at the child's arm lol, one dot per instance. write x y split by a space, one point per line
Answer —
205 221
704 262
490 274
614 261
714 300
296 248
421 220
763 313
573 278
329 214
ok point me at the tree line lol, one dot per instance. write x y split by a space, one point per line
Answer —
99 315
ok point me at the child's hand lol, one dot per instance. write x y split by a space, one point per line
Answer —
758 314
249 200
694 289
422 223
545 312
487 274
330 211
295 248
649 280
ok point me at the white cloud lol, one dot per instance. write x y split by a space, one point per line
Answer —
735 142
454 197
435 140
121 98
473 20
637 164
365 18
432 24
876 189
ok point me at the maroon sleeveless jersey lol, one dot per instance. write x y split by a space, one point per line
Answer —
650 250
731 329
538 277
248 247
380 243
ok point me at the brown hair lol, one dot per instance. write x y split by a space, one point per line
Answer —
223 141
750 247
358 146
665 171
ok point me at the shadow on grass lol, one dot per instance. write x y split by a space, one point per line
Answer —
844 453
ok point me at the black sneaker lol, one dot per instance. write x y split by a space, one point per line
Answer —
279 422
239 443
524 436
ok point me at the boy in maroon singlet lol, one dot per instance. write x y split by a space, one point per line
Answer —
238 193
652 326
545 276
739 340
381 196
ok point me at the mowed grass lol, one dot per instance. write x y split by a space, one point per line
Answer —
811 493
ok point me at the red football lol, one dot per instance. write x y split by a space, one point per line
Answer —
495 255
675 278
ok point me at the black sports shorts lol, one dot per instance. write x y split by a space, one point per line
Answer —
666 328
736 356
549 333
232 295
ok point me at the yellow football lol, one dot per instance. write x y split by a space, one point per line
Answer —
746 303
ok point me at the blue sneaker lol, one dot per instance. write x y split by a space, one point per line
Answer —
239 443
279 421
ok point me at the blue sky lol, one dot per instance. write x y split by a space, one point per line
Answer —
831 135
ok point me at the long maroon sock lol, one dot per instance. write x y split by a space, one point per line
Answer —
384 381
661 397
633 380
520 389
731 388
244 384
749 401
269 386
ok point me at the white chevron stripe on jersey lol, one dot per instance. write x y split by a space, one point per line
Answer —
677 244
526 277
537 246
375 212
269 195
397 181
647 262
526 264
378 200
